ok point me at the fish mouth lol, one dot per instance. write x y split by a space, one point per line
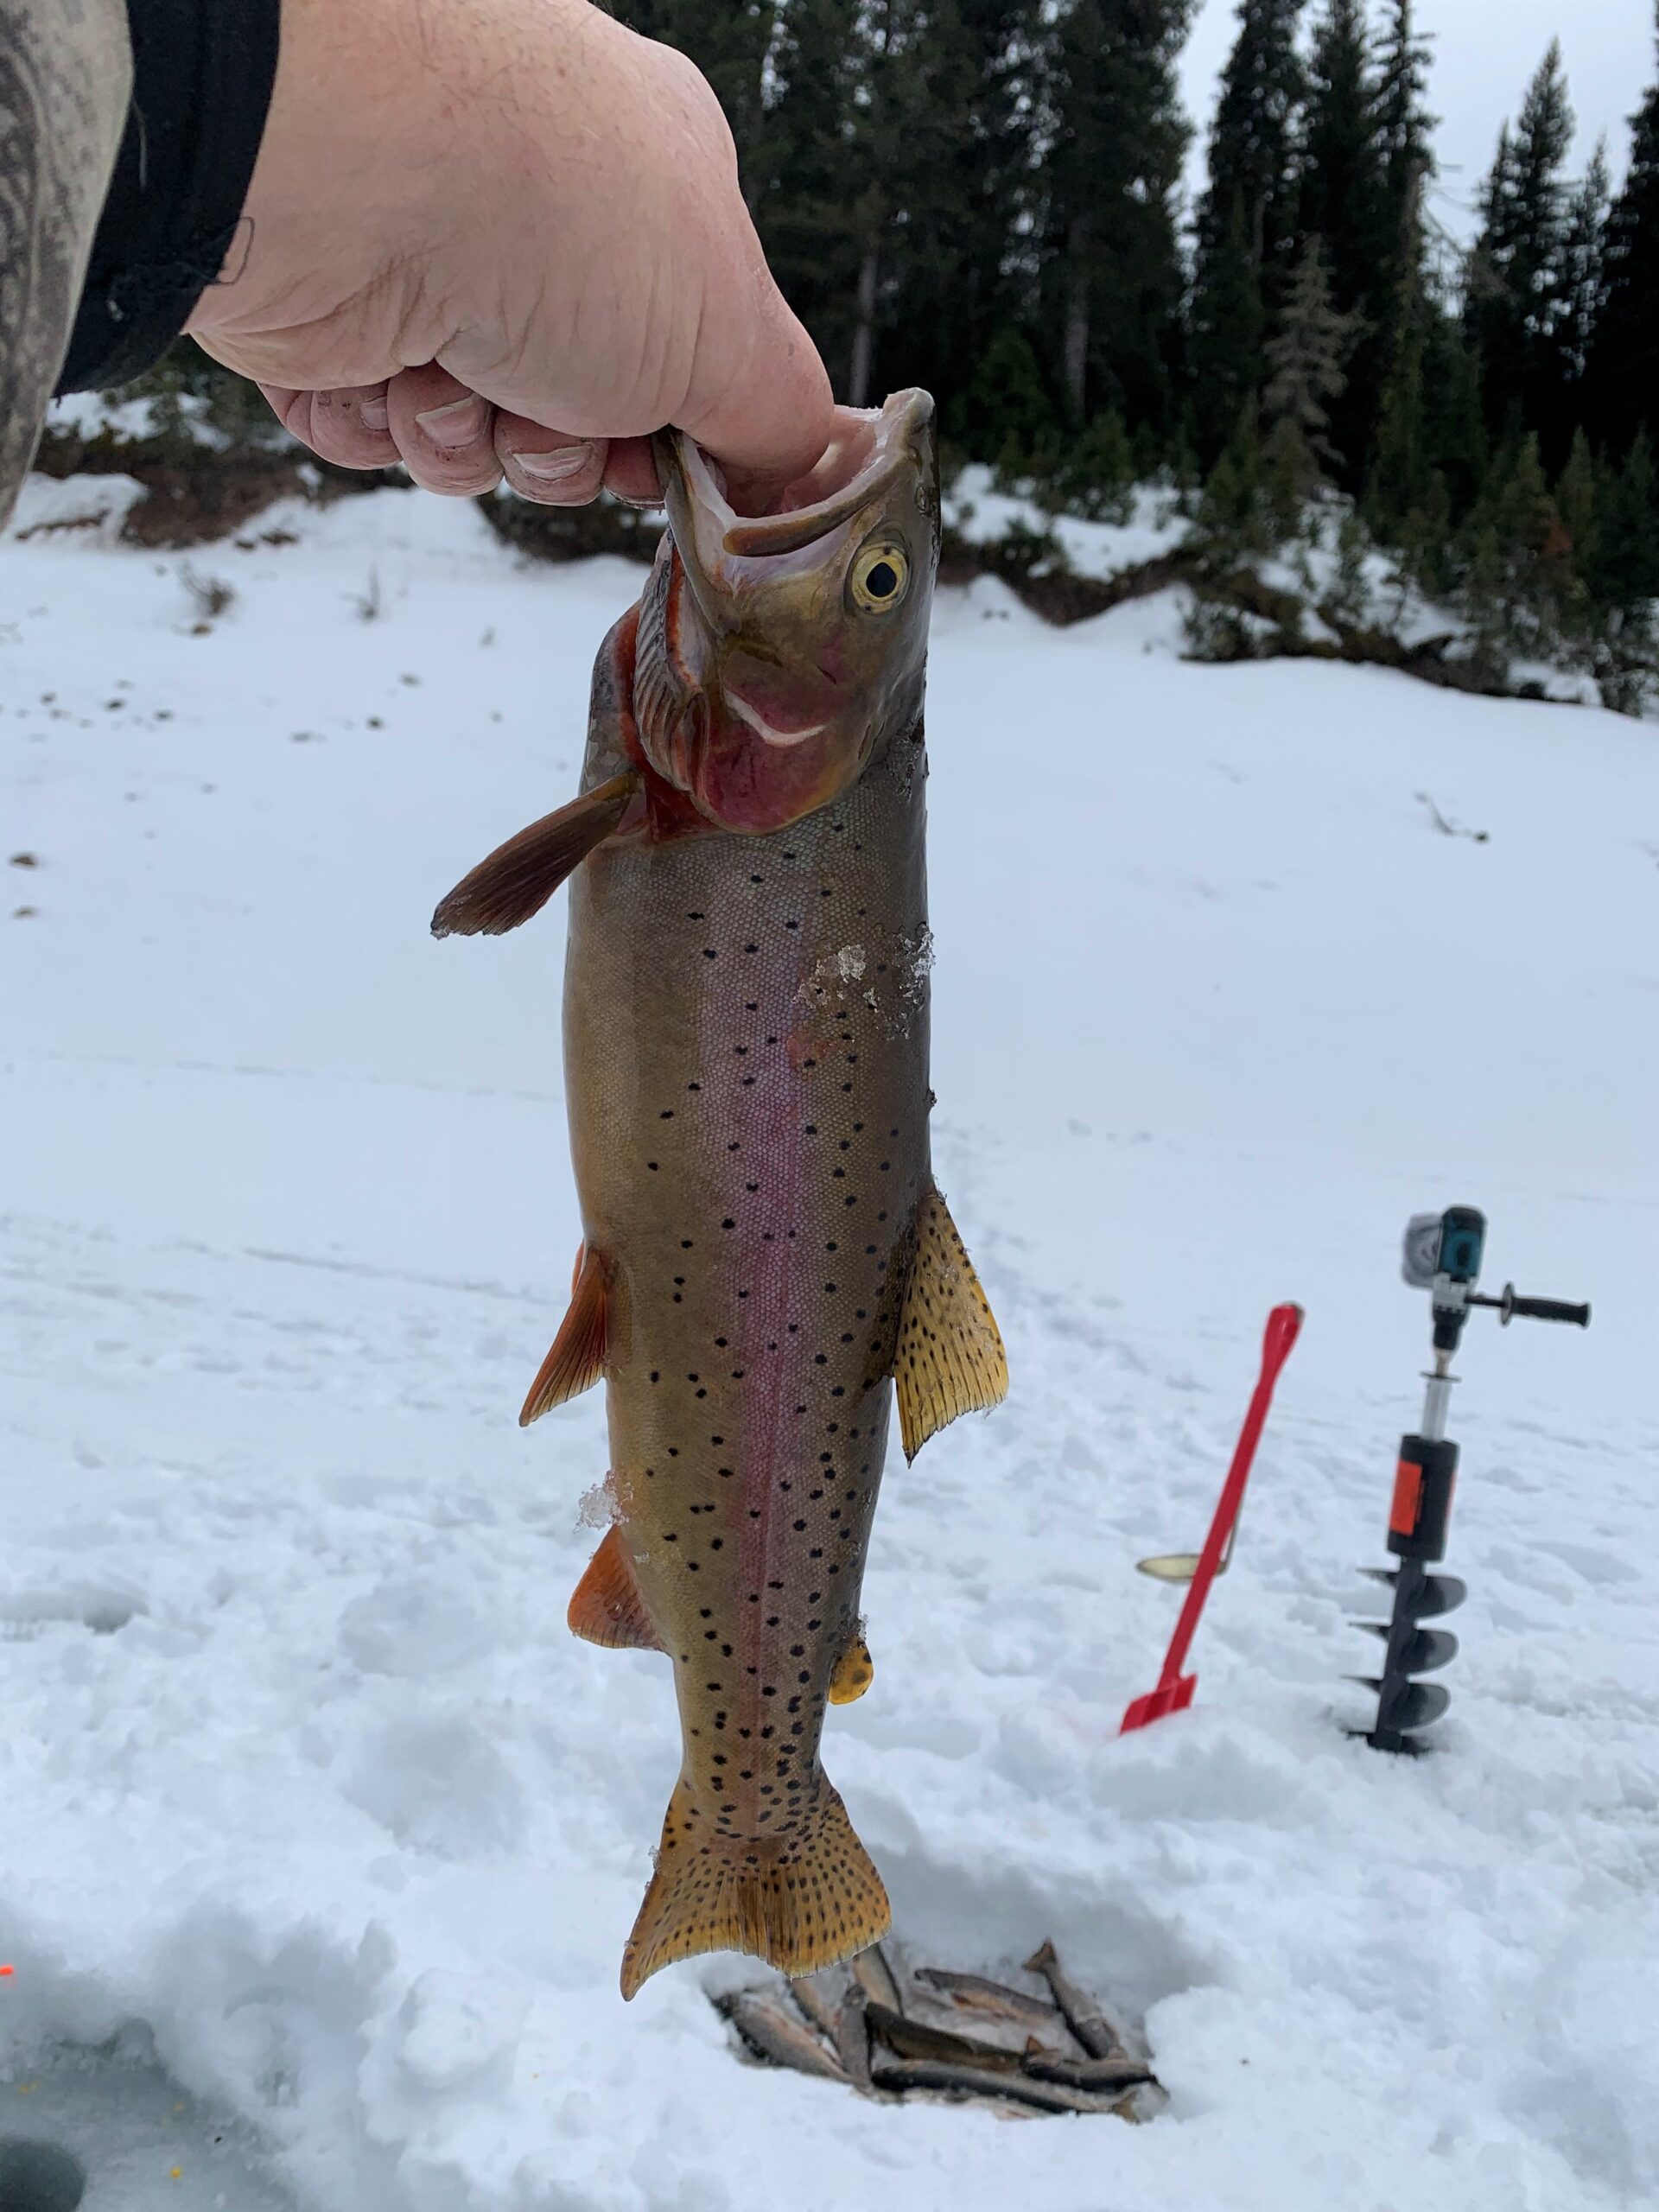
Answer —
868 449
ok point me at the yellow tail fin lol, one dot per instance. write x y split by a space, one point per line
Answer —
799 1902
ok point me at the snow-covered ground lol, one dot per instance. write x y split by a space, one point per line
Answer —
301 1768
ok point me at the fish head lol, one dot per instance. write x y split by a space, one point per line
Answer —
778 654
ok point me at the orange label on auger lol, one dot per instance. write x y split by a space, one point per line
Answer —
1408 1497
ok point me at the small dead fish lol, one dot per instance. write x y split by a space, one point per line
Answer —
975 1993
876 1979
853 2040
813 1998
1083 2015
967 2081
773 2036
1114 2075
915 2039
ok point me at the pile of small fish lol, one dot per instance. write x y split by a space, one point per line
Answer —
956 2036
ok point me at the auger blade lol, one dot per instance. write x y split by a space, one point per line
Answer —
1428 1649
1415 1705
1439 1593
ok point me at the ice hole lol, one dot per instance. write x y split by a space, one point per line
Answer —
38 2177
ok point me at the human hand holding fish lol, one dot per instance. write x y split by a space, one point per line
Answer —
505 238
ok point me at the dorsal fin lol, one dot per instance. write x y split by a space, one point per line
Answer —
577 1359
518 878
950 1359
606 1606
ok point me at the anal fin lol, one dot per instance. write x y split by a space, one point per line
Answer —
950 1358
853 1673
518 878
576 1360
606 1607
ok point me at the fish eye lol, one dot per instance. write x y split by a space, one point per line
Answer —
881 577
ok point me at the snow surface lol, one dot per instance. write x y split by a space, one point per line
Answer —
301 1770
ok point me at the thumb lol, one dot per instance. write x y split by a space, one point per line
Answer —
758 395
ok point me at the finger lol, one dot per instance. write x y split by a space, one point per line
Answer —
548 466
631 473
347 427
443 431
759 395
291 409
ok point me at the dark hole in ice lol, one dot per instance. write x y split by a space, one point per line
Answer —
38 2177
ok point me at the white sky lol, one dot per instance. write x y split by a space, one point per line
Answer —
1484 51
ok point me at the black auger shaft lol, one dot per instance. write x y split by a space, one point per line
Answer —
1417 1526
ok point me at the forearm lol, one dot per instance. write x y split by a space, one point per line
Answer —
66 74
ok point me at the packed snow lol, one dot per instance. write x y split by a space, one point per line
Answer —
306 1785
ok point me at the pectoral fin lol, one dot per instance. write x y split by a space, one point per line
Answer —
577 1359
518 878
950 1359
607 1606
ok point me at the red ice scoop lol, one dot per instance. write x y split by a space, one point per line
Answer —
1174 1690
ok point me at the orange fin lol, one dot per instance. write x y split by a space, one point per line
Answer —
853 1673
800 1902
951 1358
606 1606
518 878
576 1360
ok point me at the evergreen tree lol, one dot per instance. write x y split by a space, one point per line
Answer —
1578 491
859 217
1626 571
957 250
1515 286
1454 433
1624 360
1113 274
1341 201
1583 296
1397 481
1227 323
1246 221
1404 128
1304 359
1007 411
805 209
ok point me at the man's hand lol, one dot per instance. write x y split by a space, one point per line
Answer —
492 237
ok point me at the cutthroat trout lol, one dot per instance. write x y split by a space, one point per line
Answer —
765 1253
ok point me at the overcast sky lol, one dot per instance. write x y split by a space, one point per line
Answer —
1484 51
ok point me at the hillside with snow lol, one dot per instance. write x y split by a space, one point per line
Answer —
320 1834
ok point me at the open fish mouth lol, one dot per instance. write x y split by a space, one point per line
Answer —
871 445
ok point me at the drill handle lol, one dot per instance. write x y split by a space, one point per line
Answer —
1541 1309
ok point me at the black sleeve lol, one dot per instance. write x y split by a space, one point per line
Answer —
202 76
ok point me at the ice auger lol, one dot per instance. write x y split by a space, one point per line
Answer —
1442 1255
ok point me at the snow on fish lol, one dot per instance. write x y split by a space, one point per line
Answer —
765 1254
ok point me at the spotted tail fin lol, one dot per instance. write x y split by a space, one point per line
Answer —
799 1902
